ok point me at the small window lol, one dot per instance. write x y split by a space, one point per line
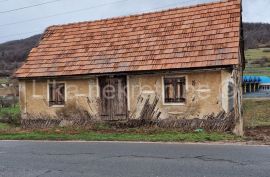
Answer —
175 90
56 94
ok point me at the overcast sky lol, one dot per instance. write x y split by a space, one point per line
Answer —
23 18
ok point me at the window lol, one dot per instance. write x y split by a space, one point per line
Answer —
56 94
175 90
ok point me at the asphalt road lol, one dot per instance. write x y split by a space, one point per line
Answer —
81 159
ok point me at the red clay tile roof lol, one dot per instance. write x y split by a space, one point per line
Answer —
198 36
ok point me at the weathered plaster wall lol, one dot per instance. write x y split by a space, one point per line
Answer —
225 78
34 96
204 95
22 97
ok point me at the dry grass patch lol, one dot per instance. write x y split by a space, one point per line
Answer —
256 112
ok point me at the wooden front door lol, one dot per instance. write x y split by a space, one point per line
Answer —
113 96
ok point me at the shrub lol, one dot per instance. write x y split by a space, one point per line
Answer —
74 116
72 112
11 115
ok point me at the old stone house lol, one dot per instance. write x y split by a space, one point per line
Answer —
181 64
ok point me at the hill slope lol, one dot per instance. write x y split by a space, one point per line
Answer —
257 44
256 35
13 53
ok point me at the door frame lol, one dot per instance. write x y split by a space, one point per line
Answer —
126 87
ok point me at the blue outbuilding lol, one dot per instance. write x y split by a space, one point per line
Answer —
253 84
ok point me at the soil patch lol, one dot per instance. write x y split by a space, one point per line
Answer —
260 133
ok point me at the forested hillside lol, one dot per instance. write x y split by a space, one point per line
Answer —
256 35
13 53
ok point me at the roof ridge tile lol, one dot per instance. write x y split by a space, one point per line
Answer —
143 14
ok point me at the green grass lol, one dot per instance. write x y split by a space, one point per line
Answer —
254 69
168 136
258 69
101 132
257 73
4 126
3 80
253 54
256 112
13 111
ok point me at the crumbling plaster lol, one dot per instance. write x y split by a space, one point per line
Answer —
206 93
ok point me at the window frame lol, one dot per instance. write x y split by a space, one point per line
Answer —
163 90
48 93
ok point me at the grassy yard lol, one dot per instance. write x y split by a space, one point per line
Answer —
256 112
258 69
127 135
12 111
252 54
101 132
4 126
257 54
